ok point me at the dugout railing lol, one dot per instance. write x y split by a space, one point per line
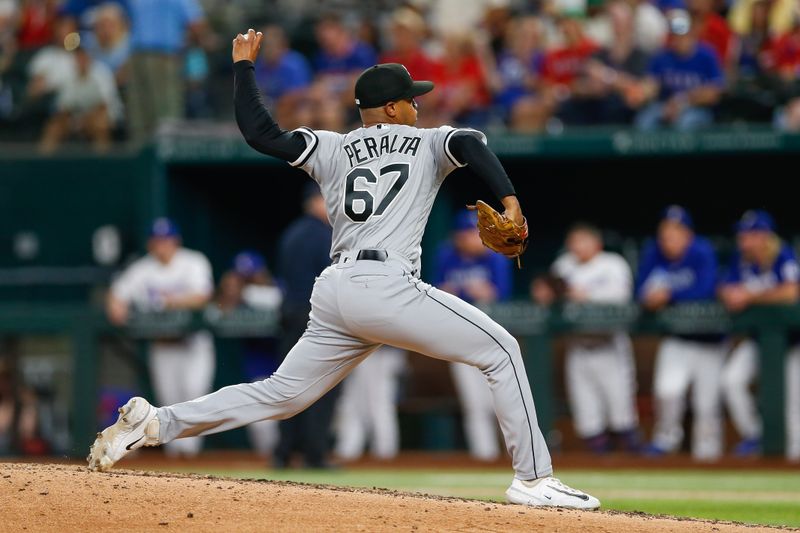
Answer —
534 326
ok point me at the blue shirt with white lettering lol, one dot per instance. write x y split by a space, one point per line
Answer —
690 278
677 74
455 270
784 269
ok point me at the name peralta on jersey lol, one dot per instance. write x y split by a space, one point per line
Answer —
379 183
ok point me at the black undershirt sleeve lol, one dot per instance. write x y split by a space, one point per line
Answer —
255 122
469 150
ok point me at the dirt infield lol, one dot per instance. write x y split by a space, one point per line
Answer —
42 497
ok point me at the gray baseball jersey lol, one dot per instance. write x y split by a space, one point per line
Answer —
379 184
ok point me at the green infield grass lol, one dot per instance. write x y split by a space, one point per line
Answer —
755 497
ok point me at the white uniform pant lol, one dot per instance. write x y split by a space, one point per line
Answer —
181 371
480 421
680 364
367 409
740 371
601 386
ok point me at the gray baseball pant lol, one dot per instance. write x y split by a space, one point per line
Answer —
357 306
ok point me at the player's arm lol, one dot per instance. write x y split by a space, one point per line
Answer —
119 297
704 95
186 301
116 309
469 150
785 293
199 291
253 118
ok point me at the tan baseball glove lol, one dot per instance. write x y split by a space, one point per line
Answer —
499 233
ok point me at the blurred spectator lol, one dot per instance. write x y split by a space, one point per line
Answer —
610 77
366 413
339 61
779 16
159 32
109 41
681 267
53 66
50 70
457 16
650 25
36 23
19 418
562 67
195 75
407 32
169 278
303 252
600 373
283 75
785 55
496 24
514 79
751 94
87 106
8 48
469 270
763 271
249 285
463 88
754 43
82 13
712 29
407 35
685 79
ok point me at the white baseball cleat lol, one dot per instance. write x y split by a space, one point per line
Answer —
135 427
549 492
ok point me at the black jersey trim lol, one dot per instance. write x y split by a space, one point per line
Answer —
447 149
306 155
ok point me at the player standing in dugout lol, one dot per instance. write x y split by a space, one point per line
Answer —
379 183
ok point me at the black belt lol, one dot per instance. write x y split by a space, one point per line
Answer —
366 255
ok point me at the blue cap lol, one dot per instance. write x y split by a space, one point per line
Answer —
247 263
465 220
678 214
755 220
164 227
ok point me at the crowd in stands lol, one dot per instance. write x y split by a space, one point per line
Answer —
106 70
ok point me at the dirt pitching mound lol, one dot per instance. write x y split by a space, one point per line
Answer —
42 497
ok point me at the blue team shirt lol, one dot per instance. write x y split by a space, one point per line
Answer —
785 269
691 278
361 57
160 25
676 74
455 270
513 73
83 9
292 72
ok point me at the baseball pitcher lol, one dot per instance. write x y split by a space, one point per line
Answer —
379 182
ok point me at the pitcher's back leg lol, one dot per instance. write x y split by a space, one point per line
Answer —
314 366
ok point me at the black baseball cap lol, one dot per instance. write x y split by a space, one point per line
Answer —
387 82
